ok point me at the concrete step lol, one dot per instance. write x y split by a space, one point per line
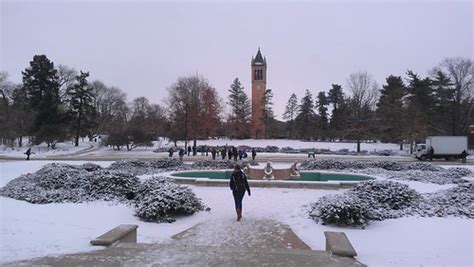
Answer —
175 254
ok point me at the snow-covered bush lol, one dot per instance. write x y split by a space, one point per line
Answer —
456 201
417 171
343 210
160 200
371 200
272 149
250 162
213 164
386 194
52 183
112 185
140 167
288 149
57 182
328 164
90 167
449 176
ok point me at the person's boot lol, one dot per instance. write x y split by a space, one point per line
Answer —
239 214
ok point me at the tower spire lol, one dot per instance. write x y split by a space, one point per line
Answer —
258 57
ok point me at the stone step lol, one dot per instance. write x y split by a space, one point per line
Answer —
174 254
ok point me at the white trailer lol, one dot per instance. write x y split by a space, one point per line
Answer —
447 147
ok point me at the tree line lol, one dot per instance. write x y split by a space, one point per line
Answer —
56 104
404 110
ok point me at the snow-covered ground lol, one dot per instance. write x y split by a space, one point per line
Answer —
68 148
42 150
31 230
297 144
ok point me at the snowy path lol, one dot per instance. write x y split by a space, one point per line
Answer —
248 233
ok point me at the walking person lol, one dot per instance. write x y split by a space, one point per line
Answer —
189 151
235 153
241 153
213 153
181 154
229 153
254 153
171 152
223 153
431 153
28 153
238 184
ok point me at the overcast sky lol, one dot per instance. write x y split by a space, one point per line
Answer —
144 46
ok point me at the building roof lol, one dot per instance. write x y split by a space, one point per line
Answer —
259 58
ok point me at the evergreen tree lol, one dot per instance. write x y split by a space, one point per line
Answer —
290 113
323 121
267 112
42 89
305 119
239 102
336 98
81 106
390 110
444 107
420 108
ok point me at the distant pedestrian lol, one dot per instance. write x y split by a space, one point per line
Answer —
213 153
189 151
170 152
463 156
238 184
241 153
206 148
431 153
223 153
235 153
194 150
254 153
28 153
229 153
181 154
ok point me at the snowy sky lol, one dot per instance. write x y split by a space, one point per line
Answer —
144 46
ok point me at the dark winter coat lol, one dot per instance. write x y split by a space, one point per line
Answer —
238 182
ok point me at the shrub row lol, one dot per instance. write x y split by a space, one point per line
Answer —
157 199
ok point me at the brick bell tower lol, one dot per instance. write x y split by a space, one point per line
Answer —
259 85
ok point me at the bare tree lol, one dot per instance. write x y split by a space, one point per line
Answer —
364 92
461 73
109 102
194 108
6 88
66 79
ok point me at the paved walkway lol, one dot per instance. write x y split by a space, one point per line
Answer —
213 243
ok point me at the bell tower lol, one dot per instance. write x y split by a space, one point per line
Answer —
259 85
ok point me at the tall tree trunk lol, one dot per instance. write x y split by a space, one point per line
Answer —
78 125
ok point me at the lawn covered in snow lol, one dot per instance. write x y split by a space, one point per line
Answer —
32 230
94 149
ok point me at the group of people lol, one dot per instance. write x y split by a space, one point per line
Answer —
230 152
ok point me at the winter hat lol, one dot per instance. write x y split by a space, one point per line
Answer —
237 167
